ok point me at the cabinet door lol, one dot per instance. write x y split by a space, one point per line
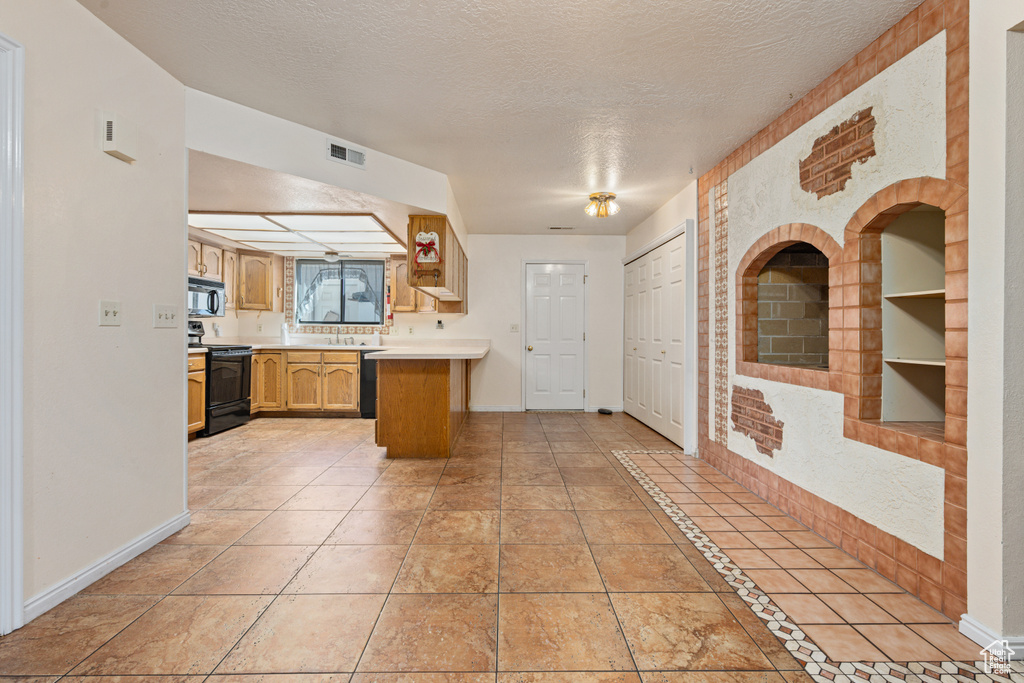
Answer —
255 282
230 272
303 386
196 400
255 379
277 284
403 297
213 262
195 258
270 380
341 387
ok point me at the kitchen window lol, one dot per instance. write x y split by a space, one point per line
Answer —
339 293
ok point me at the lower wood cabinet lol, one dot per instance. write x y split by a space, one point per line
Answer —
196 393
267 368
322 381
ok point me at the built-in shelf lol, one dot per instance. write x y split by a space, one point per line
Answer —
937 362
926 294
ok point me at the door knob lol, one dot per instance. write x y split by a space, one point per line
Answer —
529 348
663 352
634 348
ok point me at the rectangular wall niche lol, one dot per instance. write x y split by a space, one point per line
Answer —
792 308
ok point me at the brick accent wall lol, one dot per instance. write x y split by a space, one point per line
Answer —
828 167
792 308
752 416
853 339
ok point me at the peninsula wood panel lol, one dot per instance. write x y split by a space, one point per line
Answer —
421 405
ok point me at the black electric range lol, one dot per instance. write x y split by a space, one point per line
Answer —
228 377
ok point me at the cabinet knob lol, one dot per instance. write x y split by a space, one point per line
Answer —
529 348
634 348
663 351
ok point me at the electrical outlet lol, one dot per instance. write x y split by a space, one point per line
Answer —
410 329
110 313
165 315
259 328
514 328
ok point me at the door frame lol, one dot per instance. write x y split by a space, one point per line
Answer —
12 320
522 323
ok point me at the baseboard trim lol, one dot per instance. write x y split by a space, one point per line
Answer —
495 409
60 592
614 409
984 636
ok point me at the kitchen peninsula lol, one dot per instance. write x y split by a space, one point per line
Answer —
423 396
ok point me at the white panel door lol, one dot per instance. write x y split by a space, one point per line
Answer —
555 347
629 378
675 302
659 324
643 339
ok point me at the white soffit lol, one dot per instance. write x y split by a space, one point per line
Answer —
317 223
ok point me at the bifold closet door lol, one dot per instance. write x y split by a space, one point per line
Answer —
653 339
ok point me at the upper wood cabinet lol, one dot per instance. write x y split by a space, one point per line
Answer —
195 258
230 272
205 260
255 281
405 299
447 280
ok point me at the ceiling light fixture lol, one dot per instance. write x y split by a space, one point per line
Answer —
602 205
332 257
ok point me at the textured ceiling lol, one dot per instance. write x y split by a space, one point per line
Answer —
527 105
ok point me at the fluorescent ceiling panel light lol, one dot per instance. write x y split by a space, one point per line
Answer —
284 246
320 223
230 221
259 235
368 248
379 237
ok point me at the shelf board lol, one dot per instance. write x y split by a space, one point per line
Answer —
935 362
924 294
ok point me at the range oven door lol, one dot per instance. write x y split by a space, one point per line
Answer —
228 376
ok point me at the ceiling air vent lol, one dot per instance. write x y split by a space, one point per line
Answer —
345 155
559 227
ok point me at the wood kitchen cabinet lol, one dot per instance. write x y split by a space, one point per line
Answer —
322 381
205 260
266 373
195 258
230 272
405 299
196 392
448 281
260 282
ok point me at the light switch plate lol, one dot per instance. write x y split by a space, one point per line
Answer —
514 327
110 313
165 315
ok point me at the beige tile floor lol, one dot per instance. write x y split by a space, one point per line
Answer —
531 551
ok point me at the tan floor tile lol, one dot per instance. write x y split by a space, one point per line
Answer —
539 476
748 523
843 643
249 497
380 497
286 476
730 540
856 609
376 527
57 640
325 498
769 644
306 633
396 476
708 524
527 461
540 526
560 631
248 570
900 643
535 498
445 527
947 638
807 540
294 527
449 569
685 631
712 677
569 677
434 633
581 459
792 558
628 568
867 581
604 498
180 635
751 559
448 677
804 608
907 608
591 476
350 569
217 527
821 581
466 497
157 571
832 558
201 496
769 539
490 476
348 476
549 568
583 445
621 527
775 581
117 679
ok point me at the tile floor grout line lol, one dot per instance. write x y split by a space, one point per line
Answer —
838 672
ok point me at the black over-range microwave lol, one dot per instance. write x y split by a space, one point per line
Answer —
205 298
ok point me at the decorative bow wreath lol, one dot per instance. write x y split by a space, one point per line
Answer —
424 249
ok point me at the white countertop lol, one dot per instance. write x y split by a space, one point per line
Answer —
440 351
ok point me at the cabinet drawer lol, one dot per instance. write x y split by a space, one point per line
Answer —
196 362
341 356
303 356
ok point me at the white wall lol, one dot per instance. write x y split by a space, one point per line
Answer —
496 290
995 521
901 496
104 407
671 215
218 126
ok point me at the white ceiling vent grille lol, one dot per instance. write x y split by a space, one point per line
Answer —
560 227
343 154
